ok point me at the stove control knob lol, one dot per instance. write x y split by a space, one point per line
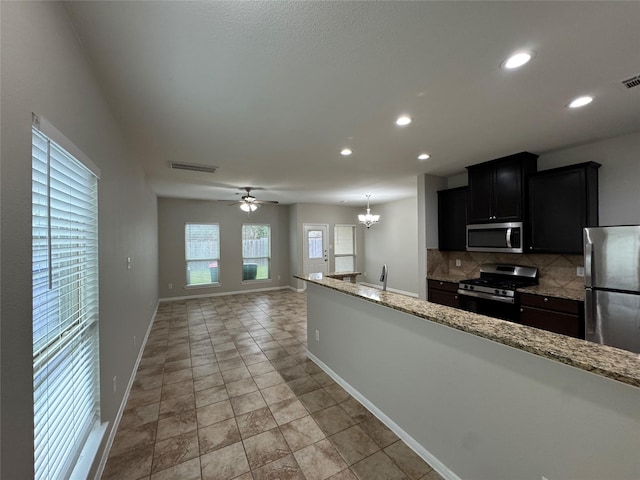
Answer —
471 287
497 291
504 292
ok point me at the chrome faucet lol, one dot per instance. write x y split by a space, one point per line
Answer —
383 277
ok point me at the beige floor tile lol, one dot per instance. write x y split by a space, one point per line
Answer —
265 448
225 463
176 424
319 461
241 387
377 467
333 420
175 450
268 379
218 435
247 403
189 470
175 405
317 400
353 444
223 363
285 468
214 413
378 431
255 422
301 433
409 462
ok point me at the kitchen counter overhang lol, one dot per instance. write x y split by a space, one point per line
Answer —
609 362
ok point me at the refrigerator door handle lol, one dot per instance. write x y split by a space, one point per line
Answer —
588 263
589 314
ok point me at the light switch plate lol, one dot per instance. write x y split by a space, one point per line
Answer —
580 271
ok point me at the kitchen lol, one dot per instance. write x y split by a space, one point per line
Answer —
136 93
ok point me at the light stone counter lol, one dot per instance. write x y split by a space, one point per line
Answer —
609 362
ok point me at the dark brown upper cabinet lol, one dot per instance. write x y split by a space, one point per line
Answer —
562 202
498 189
452 219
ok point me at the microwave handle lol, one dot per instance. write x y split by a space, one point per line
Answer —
509 237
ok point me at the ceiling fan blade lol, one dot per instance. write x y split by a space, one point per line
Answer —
271 202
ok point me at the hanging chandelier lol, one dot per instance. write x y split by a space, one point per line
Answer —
368 219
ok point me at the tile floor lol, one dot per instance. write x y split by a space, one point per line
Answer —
224 390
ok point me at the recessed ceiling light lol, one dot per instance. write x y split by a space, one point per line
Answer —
517 60
580 101
424 156
403 120
346 152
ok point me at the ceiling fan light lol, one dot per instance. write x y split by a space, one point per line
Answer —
248 207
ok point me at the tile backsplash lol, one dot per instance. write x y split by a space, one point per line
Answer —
554 270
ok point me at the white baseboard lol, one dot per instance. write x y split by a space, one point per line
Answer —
422 452
116 422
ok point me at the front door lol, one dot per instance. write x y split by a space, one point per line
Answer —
315 249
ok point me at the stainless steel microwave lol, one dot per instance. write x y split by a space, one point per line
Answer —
495 237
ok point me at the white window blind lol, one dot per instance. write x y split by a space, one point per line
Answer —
65 307
345 250
202 253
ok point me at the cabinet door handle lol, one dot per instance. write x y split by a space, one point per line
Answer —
521 310
455 296
441 283
546 299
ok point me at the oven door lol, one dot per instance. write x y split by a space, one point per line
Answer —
488 306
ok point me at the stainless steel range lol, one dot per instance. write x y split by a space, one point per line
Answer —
494 293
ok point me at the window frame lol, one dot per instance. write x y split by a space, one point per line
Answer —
210 260
244 259
344 255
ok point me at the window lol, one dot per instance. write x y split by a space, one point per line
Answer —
65 305
345 248
202 253
256 252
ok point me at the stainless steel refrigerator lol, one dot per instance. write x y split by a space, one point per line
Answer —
612 286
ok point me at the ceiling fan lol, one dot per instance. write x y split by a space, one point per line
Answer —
249 203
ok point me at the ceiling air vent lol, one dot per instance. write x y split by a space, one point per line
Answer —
632 82
194 167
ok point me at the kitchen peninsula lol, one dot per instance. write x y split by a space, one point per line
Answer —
475 396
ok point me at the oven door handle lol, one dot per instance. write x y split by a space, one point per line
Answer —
486 296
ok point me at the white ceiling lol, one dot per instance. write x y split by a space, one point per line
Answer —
271 91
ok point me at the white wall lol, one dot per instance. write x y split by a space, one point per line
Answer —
482 410
618 177
174 213
394 241
332 215
44 71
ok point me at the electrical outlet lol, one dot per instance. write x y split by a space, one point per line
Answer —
134 340
580 271
115 384
170 286
458 262
128 263
317 335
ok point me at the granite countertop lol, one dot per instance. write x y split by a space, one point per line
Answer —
606 361
542 290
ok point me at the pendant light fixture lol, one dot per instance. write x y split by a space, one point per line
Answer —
367 220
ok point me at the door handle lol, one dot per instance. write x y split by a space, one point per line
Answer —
589 313
509 237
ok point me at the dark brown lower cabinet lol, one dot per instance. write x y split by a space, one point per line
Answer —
558 315
444 293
